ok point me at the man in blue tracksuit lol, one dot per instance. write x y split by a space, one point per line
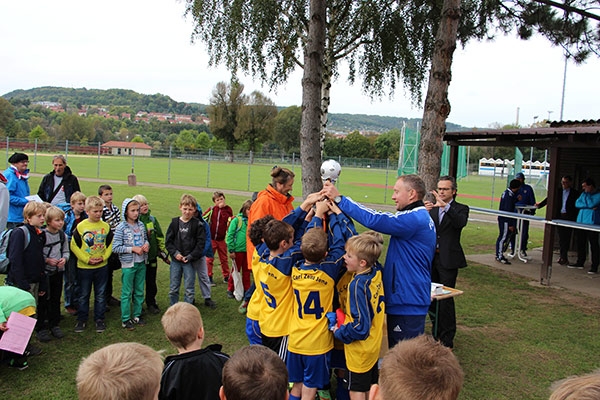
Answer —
507 226
407 270
525 197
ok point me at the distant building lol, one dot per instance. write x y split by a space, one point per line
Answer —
117 148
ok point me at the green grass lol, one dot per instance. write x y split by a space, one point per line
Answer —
513 339
362 184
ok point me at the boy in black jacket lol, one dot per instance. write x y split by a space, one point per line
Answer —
185 242
194 373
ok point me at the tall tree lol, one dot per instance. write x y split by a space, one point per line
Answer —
7 116
310 130
225 104
287 129
256 121
437 106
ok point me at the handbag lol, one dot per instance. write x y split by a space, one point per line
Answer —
238 285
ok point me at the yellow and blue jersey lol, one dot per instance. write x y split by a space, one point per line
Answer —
314 288
276 286
363 327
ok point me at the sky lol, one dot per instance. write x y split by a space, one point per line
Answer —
145 46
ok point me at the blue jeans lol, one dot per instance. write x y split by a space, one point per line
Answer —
71 284
203 280
402 327
99 278
177 269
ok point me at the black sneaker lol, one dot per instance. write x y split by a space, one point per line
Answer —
100 326
210 304
44 336
139 321
32 350
19 363
575 265
226 280
593 271
212 283
153 310
128 325
112 301
503 260
57 332
230 295
80 327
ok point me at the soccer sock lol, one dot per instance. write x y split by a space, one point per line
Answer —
292 397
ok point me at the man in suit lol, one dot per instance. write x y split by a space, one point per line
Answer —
449 217
564 209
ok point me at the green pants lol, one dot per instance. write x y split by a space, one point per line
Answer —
132 290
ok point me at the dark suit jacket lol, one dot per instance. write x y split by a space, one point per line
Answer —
448 234
572 211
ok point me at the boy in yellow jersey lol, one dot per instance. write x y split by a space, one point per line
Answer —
364 313
92 245
252 328
313 284
279 251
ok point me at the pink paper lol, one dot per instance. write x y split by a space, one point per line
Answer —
16 338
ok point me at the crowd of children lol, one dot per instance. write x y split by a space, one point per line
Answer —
76 247
318 303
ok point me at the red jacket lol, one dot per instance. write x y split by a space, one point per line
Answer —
218 221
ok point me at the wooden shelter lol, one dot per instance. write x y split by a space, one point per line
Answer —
573 147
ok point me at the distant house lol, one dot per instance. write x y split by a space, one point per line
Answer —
117 148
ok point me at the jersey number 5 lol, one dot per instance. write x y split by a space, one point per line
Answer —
271 302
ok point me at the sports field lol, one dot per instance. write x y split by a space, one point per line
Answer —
513 339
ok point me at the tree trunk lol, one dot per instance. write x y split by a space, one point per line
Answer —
437 106
325 100
310 130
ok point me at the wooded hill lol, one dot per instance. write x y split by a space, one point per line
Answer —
130 101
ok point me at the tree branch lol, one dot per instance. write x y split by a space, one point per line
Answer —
569 8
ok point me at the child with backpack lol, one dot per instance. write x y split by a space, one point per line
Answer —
236 244
25 251
74 214
156 238
217 217
56 255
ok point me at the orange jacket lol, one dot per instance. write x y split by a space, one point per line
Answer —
268 201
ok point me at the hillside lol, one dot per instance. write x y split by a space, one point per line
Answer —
161 103
107 98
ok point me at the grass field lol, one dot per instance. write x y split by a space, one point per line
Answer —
362 184
513 339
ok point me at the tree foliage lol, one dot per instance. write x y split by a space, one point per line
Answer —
287 129
225 104
122 100
7 115
256 120
385 42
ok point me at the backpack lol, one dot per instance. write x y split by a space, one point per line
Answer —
207 215
51 270
239 223
4 239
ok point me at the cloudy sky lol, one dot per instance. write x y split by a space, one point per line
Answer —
145 46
